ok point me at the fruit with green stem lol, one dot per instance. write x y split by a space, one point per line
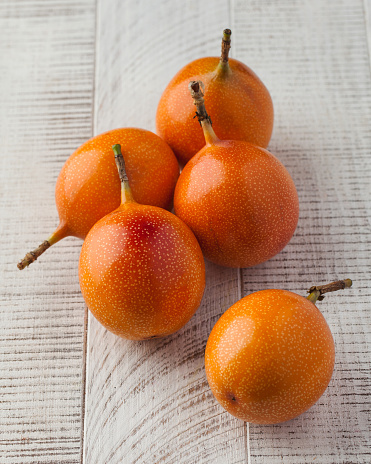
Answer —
88 187
141 270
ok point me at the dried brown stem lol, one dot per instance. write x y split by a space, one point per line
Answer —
33 255
226 45
197 92
317 291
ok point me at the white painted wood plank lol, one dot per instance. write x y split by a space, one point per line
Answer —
367 10
149 402
313 57
46 94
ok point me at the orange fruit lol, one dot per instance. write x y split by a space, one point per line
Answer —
270 356
239 104
238 199
141 270
88 187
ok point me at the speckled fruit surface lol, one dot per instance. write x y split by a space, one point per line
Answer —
269 357
237 101
240 202
88 186
142 273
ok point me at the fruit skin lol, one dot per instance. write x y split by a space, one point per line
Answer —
240 202
270 357
88 186
239 104
142 273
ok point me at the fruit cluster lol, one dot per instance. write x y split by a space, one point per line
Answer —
141 269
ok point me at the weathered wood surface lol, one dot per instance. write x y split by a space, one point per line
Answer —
47 73
149 402
315 61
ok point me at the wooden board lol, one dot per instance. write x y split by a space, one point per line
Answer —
149 402
47 70
74 69
316 64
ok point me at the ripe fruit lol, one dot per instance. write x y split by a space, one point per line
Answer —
141 270
240 104
271 355
88 187
238 199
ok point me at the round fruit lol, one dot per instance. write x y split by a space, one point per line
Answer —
271 355
238 199
88 187
141 270
240 104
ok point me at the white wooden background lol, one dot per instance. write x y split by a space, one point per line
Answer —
70 391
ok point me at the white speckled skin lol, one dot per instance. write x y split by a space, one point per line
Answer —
270 357
142 272
88 186
240 202
238 103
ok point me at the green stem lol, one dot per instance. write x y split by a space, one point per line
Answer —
126 194
317 292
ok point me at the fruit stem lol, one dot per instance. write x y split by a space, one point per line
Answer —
60 232
126 195
196 89
317 292
226 45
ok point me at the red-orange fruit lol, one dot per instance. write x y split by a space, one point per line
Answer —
141 270
238 199
270 356
238 101
88 187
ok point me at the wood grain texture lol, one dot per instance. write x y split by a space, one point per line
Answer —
367 13
314 58
149 402
46 94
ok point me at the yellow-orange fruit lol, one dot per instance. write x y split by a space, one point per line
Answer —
237 100
88 186
269 357
142 272
240 202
